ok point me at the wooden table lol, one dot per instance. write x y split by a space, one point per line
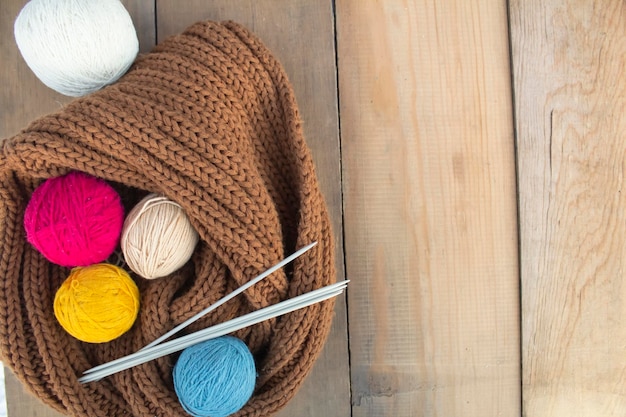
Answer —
472 156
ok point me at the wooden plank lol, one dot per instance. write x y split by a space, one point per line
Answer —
301 34
23 98
143 14
430 207
570 99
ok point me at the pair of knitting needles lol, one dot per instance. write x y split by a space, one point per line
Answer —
156 349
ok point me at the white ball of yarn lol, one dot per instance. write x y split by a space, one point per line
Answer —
76 46
157 238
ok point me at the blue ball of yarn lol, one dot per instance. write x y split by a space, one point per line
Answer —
215 378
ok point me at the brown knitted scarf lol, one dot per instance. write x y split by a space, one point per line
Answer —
209 120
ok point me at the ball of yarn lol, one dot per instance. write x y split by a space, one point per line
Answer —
157 237
215 378
97 303
74 220
76 46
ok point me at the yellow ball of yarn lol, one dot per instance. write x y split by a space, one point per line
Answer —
97 303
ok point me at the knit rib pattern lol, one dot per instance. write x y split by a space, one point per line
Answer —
208 119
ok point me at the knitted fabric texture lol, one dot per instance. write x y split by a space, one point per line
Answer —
209 120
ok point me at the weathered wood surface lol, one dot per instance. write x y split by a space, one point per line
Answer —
430 207
569 61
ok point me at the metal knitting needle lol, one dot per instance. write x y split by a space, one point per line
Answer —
267 313
237 322
166 348
181 343
230 296
103 373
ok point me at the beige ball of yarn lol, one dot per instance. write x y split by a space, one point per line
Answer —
157 238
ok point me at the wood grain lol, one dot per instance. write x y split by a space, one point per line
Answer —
24 98
301 35
430 207
570 98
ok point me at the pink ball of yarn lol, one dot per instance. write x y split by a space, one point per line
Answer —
74 220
